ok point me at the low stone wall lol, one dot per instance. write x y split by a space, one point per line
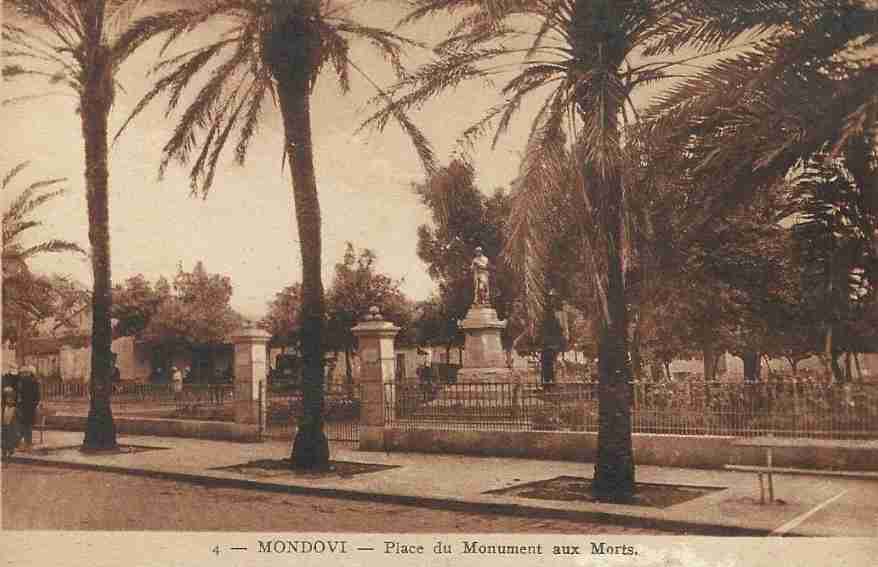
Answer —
216 430
704 452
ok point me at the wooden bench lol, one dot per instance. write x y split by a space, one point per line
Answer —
770 444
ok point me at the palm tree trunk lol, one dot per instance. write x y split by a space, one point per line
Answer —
95 103
310 447
614 469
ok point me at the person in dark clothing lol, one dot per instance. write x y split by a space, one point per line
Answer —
28 400
10 425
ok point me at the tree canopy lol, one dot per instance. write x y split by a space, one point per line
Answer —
193 310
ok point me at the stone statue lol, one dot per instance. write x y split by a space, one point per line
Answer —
481 285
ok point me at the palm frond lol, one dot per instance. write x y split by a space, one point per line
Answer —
176 80
389 44
51 246
120 12
10 175
148 27
60 18
420 141
428 81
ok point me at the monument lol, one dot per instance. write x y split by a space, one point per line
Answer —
484 359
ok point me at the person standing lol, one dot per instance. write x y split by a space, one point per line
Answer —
28 401
177 378
10 425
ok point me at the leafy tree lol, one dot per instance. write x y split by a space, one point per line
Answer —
434 325
135 303
357 287
580 57
282 319
81 45
272 49
27 297
198 311
194 312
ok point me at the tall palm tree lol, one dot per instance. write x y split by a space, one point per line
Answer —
585 57
26 296
80 46
271 49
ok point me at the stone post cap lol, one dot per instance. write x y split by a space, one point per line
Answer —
250 333
374 324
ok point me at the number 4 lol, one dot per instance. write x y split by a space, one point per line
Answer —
216 550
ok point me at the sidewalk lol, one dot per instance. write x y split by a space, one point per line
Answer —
811 505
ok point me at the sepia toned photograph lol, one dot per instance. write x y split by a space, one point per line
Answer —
322 279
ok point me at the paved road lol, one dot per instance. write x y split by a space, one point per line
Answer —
48 498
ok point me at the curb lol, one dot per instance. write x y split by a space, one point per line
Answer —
676 527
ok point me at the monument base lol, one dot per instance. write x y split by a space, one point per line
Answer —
482 347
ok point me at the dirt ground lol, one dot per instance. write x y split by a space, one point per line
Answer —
48 498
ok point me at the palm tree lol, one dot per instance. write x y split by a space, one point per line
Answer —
755 120
747 119
276 49
80 46
834 245
26 296
585 57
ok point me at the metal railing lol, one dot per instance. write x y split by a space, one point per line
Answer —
142 393
799 409
341 413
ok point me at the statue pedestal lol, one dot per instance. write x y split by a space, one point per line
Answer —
484 359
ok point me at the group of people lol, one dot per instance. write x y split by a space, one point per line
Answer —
21 398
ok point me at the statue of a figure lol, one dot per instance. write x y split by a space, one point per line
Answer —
481 285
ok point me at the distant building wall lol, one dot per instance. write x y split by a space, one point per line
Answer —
9 358
46 365
75 364
133 363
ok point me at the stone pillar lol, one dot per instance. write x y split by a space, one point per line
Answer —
251 370
377 370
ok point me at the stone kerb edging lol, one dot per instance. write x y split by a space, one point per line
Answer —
686 451
214 430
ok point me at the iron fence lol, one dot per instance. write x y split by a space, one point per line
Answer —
799 409
341 413
197 398
131 393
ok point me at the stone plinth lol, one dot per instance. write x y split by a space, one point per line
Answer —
251 373
484 359
377 370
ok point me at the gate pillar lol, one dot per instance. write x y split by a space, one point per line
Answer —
377 370
251 371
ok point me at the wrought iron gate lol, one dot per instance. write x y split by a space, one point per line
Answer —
341 414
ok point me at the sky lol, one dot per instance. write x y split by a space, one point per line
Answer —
245 227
